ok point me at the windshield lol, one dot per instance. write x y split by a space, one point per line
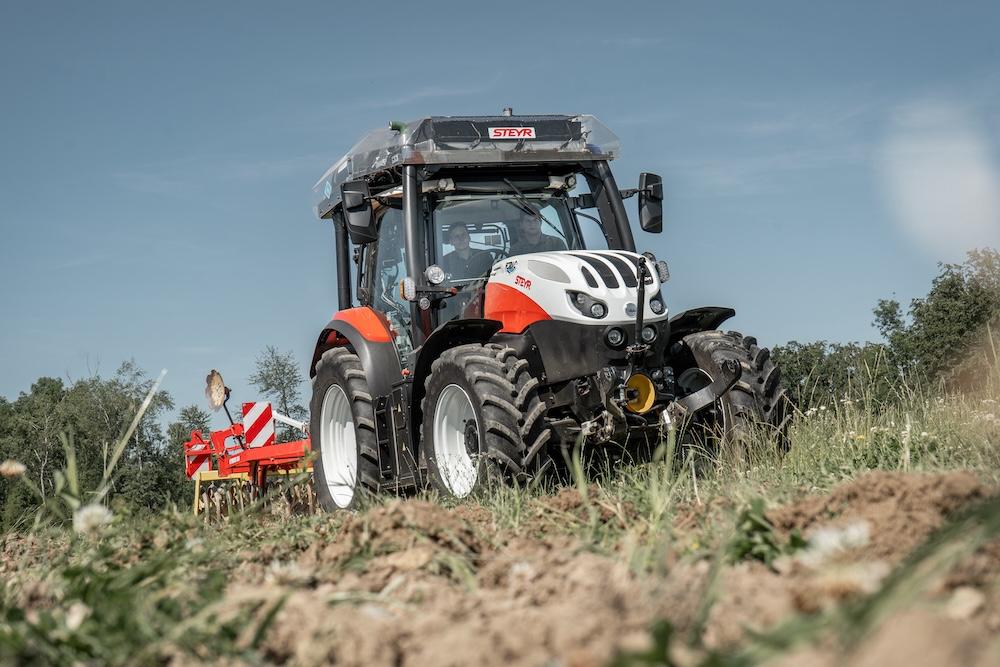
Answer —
472 232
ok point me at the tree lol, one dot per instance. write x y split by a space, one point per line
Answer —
822 373
939 331
92 414
279 379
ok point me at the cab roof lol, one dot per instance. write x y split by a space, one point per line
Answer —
455 140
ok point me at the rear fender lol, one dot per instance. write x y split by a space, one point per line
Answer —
368 336
692 321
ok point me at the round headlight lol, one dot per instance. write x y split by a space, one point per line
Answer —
598 310
434 274
656 306
425 303
630 310
616 337
648 334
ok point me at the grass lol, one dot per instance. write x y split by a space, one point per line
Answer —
144 592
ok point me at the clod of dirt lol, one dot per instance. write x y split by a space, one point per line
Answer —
965 602
569 504
901 509
397 527
752 597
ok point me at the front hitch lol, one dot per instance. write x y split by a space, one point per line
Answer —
729 375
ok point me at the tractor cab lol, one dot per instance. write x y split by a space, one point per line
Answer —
492 307
443 200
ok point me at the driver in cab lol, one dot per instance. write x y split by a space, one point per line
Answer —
463 262
531 238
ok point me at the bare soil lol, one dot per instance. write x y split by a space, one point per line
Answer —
415 583
412 582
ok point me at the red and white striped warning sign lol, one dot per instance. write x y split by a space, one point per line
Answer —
196 463
258 424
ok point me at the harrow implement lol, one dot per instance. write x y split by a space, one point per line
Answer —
233 467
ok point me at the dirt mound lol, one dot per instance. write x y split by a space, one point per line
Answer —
400 536
900 509
528 601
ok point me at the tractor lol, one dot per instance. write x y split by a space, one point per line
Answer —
494 314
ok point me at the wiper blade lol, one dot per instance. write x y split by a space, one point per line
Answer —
525 206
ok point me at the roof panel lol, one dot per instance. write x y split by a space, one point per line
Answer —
469 140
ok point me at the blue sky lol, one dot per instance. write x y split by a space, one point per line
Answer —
156 161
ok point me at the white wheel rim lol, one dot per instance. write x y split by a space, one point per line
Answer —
338 446
452 416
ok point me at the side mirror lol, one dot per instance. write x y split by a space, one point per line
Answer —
650 203
358 212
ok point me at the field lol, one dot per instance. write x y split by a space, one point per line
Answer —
875 540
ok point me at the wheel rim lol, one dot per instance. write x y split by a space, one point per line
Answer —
338 446
456 430
693 379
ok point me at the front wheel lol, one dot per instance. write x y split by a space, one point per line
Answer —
482 419
755 409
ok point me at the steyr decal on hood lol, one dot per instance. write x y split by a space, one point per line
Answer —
512 133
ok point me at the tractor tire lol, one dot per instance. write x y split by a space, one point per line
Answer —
342 432
483 420
755 409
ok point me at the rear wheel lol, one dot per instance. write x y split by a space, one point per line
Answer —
756 408
482 419
342 431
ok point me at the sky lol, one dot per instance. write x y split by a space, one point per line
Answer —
157 160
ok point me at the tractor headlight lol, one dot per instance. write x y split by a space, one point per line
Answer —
656 305
408 289
615 337
662 271
434 274
587 305
648 334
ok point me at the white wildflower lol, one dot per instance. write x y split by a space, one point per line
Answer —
827 542
810 412
77 614
822 408
846 401
924 434
12 468
91 518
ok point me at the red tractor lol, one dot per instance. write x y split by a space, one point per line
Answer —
494 313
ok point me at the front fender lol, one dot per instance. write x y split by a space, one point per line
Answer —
691 321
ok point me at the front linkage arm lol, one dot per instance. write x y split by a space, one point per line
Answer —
730 374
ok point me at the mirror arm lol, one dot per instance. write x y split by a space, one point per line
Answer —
629 193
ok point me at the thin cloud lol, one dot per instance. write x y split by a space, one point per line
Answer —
194 173
430 93
631 42
941 178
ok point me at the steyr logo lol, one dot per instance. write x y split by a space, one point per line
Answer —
521 281
512 133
